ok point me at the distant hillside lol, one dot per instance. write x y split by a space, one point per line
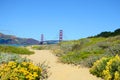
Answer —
108 33
10 39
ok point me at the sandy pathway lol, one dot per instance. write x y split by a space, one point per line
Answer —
61 71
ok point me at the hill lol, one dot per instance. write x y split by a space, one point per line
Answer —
108 33
10 39
87 50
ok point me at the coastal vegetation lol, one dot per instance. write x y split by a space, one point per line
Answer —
86 51
16 50
107 68
45 47
39 47
14 67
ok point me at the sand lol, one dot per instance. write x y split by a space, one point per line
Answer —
60 71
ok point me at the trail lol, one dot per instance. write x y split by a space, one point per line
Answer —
60 71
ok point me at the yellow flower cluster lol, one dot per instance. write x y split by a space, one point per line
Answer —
112 70
98 67
20 71
107 68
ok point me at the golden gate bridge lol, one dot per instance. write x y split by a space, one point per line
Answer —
52 41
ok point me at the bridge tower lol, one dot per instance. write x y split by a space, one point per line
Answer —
60 35
42 39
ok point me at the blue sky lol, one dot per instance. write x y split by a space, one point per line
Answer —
77 18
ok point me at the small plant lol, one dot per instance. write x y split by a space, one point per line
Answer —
57 52
44 72
6 57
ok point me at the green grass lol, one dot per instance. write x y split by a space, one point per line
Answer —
45 47
16 50
38 47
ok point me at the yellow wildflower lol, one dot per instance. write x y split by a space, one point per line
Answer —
12 63
117 75
24 63
35 74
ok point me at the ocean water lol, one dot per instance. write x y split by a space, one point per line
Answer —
16 45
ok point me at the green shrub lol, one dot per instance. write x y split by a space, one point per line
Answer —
115 49
112 70
87 50
16 50
107 68
57 52
66 47
99 66
79 57
13 67
71 57
20 71
5 58
88 62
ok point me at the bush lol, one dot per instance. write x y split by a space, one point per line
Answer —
86 51
112 70
99 66
71 57
57 52
66 47
5 58
88 62
16 50
107 68
14 71
13 67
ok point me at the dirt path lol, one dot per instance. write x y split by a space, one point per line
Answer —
61 71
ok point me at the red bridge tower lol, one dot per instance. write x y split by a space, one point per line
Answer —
60 35
42 38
